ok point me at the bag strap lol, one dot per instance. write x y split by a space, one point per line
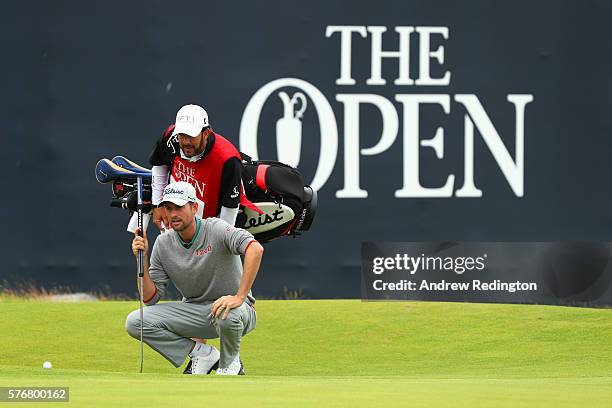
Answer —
260 177
246 157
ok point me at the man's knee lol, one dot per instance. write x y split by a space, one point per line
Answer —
132 324
233 322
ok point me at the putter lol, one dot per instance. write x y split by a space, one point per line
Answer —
140 265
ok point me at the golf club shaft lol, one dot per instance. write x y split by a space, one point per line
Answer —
140 263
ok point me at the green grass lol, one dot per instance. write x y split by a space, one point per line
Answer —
327 353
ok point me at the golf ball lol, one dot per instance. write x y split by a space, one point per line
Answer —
47 364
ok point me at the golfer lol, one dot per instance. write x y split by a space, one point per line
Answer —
202 259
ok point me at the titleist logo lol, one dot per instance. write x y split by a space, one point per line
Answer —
264 219
173 191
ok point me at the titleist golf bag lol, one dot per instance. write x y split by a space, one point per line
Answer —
286 206
278 190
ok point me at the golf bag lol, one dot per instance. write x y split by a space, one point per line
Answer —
286 206
278 190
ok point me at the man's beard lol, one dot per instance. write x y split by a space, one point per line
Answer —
182 226
195 150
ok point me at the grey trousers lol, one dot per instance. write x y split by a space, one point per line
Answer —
168 328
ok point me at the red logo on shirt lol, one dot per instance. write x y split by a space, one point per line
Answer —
184 172
203 251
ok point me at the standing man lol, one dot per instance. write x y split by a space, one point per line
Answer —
202 259
190 151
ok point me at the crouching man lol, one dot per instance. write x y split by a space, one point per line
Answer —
202 259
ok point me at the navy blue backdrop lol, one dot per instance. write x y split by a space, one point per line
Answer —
83 81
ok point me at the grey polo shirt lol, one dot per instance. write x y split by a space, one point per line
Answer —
210 268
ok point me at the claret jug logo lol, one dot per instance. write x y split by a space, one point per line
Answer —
299 96
289 129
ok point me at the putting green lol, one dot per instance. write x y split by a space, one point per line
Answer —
327 352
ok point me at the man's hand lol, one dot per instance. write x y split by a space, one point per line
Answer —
159 217
140 243
224 304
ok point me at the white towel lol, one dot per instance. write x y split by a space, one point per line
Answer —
133 224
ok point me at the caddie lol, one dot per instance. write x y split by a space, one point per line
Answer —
191 151
202 259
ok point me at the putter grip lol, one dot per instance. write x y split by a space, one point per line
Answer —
140 232
141 264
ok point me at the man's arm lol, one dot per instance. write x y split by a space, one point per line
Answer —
161 161
159 182
153 288
252 261
229 192
237 241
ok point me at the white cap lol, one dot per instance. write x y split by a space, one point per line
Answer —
190 120
179 193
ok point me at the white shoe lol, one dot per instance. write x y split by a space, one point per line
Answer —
235 368
205 364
